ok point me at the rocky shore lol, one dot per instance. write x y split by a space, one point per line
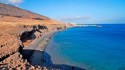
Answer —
12 42
19 31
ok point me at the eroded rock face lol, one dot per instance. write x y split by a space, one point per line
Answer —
8 44
16 62
35 31
14 37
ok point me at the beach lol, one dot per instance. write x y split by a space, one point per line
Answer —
38 44
35 53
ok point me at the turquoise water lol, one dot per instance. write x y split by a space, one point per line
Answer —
90 47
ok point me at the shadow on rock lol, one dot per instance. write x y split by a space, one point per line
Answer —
41 58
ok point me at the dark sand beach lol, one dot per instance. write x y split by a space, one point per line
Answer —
35 53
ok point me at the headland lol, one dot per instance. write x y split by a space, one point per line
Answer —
23 37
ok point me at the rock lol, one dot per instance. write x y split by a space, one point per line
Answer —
37 34
44 68
10 44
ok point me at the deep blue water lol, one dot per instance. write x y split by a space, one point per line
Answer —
90 47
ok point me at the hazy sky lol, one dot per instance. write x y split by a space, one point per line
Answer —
80 11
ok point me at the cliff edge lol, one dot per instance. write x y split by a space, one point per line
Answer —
18 28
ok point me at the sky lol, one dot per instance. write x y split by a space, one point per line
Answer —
77 11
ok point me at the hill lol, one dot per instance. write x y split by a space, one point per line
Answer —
10 10
18 28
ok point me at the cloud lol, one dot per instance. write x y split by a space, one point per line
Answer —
15 1
77 19
11 1
74 18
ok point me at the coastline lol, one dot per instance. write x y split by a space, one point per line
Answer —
38 44
38 56
20 30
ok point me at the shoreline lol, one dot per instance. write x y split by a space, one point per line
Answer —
38 55
24 36
40 42
36 50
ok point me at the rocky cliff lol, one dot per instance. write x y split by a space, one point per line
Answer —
18 28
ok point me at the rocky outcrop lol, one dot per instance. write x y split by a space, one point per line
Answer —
13 39
9 44
16 62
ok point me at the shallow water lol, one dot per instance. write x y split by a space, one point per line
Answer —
90 47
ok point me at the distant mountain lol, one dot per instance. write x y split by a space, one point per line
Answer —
10 10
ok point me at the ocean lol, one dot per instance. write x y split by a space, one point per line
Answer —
90 47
